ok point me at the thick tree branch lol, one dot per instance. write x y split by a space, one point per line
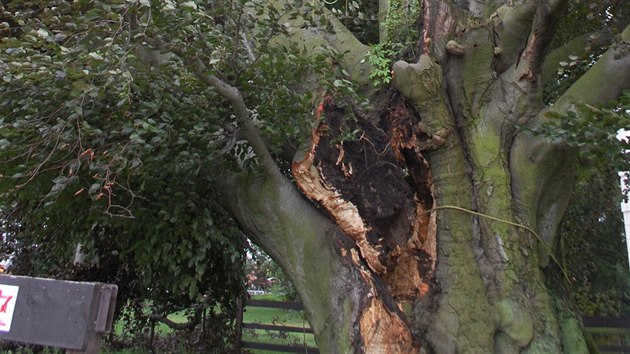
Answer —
314 39
604 81
548 15
233 95
439 20
511 25
523 32
316 256
343 41
584 43
541 169
577 46
180 325
383 8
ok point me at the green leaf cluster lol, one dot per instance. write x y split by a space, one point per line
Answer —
380 57
359 16
593 131
402 21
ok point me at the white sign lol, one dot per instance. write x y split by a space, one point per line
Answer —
8 297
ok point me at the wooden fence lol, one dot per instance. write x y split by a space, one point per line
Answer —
617 323
284 348
620 323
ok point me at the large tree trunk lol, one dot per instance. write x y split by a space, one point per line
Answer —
431 229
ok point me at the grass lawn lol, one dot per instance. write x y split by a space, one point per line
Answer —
257 315
283 317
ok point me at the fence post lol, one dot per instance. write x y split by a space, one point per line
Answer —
239 323
152 337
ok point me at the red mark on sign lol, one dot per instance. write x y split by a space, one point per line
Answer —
3 308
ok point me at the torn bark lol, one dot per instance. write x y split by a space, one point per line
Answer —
377 188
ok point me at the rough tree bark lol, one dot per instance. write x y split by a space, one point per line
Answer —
431 231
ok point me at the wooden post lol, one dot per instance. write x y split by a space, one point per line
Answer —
152 337
239 323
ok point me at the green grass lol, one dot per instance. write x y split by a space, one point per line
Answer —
281 317
258 315
274 316
277 317
269 296
606 330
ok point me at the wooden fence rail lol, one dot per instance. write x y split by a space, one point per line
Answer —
609 322
589 322
284 348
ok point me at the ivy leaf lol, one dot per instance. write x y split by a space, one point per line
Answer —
95 187
95 56
189 5
43 33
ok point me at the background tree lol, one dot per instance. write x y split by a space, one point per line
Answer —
263 273
431 208
592 234
594 246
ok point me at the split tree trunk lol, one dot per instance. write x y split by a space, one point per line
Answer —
430 231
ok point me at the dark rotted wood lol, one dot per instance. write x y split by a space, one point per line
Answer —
376 184
288 305
607 322
278 328
280 347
